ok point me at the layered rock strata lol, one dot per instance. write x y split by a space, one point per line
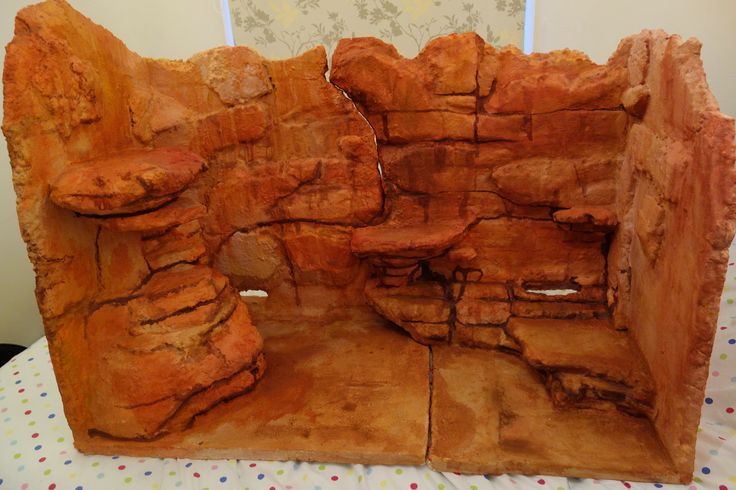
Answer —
500 172
553 208
573 216
151 192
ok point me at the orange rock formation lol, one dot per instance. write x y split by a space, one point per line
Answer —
561 226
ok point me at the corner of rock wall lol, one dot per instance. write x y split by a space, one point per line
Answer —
676 207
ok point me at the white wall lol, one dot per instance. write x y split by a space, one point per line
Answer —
153 28
596 26
179 28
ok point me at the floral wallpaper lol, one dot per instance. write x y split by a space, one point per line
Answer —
285 28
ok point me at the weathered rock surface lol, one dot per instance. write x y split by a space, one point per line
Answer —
540 205
479 150
551 254
381 80
136 177
561 183
127 182
676 209
602 216
295 412
180 211
422 309
636 100
589 347
475 181
517 427
591 170
192 334
561 80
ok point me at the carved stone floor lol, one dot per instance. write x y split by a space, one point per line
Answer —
359 391
349 392
491 414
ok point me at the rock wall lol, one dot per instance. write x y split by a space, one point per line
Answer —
150 192
576 215
676 207
500 174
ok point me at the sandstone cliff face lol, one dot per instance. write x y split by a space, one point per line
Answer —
574 216
676 206
501 173
150 192
509 176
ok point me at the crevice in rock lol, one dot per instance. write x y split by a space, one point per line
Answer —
168 200
193 261
617 108
429 408
290 265
148 237
217 319
145 404
479 44
254 370
507 201
180 311
98 264
316 175
160 430
279 222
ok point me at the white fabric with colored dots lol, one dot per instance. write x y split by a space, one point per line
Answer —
36 450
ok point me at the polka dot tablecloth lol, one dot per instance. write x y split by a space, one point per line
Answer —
36 450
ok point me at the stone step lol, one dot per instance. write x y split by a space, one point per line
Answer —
593 351
491 413
397 239
129 181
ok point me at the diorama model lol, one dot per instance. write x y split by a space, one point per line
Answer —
478 259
